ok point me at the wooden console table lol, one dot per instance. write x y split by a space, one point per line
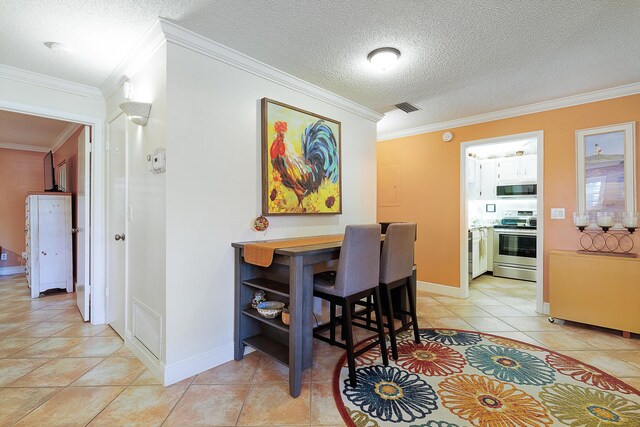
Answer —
289 279
595 289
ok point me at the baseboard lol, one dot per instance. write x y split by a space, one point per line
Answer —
178 371
546 308
155 366
436 288
16 269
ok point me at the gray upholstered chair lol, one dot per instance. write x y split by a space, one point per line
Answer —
356 278
396 271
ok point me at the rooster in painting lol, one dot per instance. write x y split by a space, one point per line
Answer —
319 160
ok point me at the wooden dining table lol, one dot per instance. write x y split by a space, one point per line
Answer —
289 279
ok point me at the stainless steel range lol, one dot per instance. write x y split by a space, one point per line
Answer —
514 247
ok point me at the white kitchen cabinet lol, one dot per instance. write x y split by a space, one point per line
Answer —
483 250
473 178
490 236
517 169
487 179
48 242
475 253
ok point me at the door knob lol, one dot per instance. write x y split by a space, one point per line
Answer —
119 237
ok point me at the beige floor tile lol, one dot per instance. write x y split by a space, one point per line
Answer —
49 347
324 364
12 345
143 406
12 369
488 324
68 316
518 336
73 406
96 347
18 402
234 372
629 356
37 316
559 341
433 311
633 382
323 406
269 370
606 340
503 311
112 371
56 373
447 301
271 404
146 378
81 330
209 405
7 329
44 329
468 311
607 362
532 324
450 322
124 352
108 333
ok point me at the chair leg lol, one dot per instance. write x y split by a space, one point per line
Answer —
390 323
332 320
377 302
348 332
369 299
412 310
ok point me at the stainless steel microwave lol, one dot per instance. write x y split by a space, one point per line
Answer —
517 190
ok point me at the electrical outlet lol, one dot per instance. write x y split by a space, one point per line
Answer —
3 257
557 213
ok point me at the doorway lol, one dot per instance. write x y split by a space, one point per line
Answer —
94 264
502 212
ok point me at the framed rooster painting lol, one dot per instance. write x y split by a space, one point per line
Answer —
301 170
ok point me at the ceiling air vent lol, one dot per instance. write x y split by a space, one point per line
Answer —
407 108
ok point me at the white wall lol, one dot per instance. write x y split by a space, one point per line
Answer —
146 228
213 194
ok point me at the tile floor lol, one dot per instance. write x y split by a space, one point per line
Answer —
57 370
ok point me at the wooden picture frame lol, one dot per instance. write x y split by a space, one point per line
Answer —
301 161
605 165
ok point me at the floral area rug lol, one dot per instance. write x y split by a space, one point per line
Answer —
458 379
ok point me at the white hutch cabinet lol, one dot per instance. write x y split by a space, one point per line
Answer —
48 242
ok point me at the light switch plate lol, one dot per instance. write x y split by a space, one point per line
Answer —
557 213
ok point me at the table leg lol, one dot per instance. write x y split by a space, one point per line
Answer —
238 348
296 304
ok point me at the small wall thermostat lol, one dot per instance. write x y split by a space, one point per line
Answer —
157 160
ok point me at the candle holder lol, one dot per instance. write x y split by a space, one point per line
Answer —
607 240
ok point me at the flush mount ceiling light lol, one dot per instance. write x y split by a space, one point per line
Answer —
138 112
384 58
61 48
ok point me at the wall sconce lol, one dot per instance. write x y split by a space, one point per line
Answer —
138 112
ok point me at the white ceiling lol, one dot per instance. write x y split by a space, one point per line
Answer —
459 58
21 131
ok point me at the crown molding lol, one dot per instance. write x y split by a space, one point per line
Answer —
49 82
152 40
197 43
24 147
64 135
554 104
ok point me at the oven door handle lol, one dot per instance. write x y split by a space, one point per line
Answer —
519 267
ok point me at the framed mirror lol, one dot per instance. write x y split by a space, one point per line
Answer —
605 166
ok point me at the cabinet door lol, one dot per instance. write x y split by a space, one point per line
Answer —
529 168
475 254
508 169
488 179
483 252
53 262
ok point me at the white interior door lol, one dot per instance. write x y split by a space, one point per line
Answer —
82 223
116 200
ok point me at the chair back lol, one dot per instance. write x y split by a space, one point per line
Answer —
396 261
359 262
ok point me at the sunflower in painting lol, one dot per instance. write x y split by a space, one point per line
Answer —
485 402
586 374
429 358
509 364
587 407
389 394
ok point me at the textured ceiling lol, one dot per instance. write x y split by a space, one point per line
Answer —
16 128
459 57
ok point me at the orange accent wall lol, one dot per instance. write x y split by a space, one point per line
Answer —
428 184
20 173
